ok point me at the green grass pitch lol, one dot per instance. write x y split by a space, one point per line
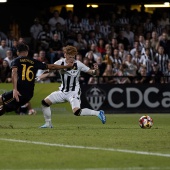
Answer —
81 142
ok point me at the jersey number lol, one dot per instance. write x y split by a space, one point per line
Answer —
27 73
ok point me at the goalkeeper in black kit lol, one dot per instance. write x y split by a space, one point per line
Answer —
24 70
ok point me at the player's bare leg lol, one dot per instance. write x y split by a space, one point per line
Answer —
89 112
47 113
75 103
2 110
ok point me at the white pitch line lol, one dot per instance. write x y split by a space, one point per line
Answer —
87 147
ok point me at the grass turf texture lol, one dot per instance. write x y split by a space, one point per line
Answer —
120 132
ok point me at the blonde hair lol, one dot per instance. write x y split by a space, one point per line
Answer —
70 50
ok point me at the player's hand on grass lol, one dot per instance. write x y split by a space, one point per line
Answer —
16 95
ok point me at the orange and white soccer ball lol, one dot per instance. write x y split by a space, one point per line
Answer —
145 122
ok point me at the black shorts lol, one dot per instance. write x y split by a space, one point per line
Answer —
10 104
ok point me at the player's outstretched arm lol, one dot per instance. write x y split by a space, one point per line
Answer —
57 67
51 68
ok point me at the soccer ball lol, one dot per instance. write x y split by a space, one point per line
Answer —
146 122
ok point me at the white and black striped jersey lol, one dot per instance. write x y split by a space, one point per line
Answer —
91 41
147 61
44 35
76 27
105 29
151 52
90 27
162 60
70 77
123 20
9 42
60 35
116 60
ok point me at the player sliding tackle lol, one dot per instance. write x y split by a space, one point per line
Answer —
70 88
24 70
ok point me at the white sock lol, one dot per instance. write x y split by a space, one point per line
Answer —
47 114
89 112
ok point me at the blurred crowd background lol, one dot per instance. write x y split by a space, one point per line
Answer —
129 46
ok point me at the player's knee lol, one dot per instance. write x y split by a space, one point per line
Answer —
44 103
77 112
2 111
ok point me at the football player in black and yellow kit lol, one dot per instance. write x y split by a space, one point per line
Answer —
24 70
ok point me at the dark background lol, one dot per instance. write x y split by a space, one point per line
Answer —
24 11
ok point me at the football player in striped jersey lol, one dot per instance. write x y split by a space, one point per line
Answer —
70 88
